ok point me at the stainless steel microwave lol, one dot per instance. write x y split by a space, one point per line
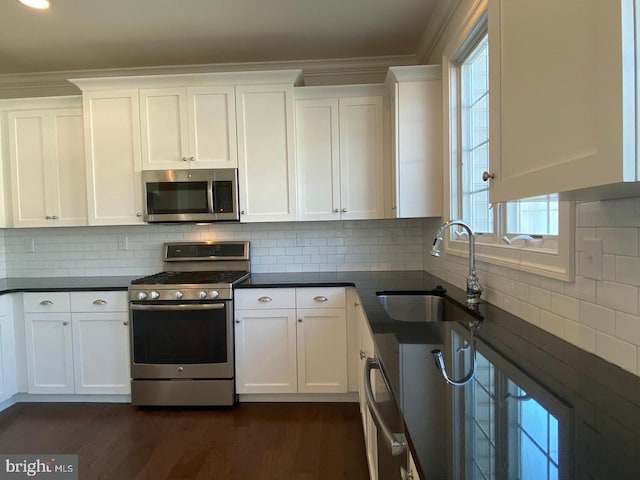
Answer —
191 195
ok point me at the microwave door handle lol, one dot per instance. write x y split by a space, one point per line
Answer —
210 193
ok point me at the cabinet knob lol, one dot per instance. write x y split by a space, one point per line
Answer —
48 217
356 304
180 369
320 298
184 159
192 159
363 354
55 217
46 303
237 321
299 320
125 323
265 299
344 210
335 210
241 212
486 176
99 302
65 323
138 214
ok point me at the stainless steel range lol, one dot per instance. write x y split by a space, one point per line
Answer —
182 325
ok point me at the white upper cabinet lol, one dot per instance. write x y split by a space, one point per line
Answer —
361 158
339 152
266 156
112 144
46 151
192 127
416 103
562 97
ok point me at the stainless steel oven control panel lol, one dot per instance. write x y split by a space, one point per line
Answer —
158 293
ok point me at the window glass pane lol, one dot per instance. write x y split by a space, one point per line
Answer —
474 138
533 216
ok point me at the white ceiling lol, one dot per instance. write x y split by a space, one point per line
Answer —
97 34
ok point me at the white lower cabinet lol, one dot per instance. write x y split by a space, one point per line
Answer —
77 342
8 372
281 348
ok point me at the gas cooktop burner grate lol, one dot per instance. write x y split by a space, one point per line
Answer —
183 278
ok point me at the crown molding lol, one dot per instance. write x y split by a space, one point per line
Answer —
436 27
339 71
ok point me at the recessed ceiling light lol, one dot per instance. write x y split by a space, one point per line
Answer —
38 4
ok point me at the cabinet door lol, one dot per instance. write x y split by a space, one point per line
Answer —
318 159
163 124
211 114
112 146
29 145
266 158
101 352
417 143
322 350
49 352
265 351
47 167
562 104
69 206
8 373
361 158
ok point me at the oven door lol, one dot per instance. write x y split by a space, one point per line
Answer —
182 341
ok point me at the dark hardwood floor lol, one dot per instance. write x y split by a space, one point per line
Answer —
254 441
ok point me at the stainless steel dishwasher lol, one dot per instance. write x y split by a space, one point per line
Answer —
392 451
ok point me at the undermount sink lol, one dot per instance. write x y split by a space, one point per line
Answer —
413 307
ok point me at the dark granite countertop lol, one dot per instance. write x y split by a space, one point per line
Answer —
537 404
62 284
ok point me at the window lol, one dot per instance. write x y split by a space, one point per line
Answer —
537 216
533 234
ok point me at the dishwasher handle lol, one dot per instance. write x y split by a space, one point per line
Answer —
397 441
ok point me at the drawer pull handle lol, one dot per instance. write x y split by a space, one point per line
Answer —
99 302
320 298
46 303
363 354
265 299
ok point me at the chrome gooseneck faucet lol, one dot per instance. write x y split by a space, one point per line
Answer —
474 290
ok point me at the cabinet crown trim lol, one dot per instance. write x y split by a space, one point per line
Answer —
267 77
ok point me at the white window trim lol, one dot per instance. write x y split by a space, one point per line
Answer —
557 264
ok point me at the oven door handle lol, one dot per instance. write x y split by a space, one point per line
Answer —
197 306
397 441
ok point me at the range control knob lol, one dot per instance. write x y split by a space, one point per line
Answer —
178 295
214 293
154 295
141 296
202 294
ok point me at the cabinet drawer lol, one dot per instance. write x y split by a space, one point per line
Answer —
322 297
265 298
41 302
99 302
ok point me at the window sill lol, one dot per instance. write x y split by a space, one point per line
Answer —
557 264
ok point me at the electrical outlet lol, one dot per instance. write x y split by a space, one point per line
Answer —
29 245
123 242
591 259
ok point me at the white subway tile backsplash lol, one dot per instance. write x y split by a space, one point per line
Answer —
597 317
628 270
617 296
552 323
565 306
580 335
619 241
540 297
618 352
628 327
